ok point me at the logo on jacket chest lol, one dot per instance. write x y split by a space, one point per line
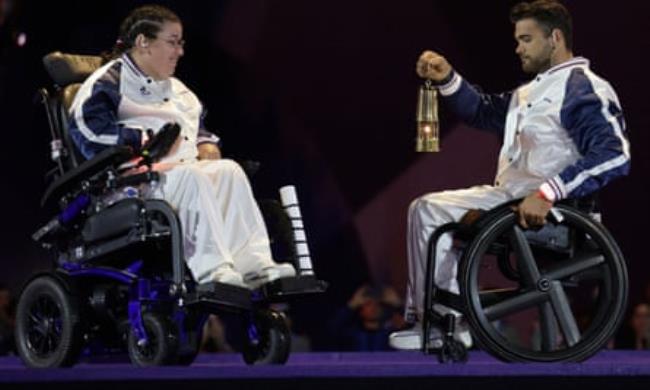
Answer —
144 91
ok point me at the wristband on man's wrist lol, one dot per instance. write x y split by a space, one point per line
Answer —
546 192
542 196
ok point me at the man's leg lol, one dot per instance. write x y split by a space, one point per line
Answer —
426 214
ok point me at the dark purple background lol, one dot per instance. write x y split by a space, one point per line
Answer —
323 94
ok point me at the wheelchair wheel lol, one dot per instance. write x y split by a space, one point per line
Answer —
162 346
567 299
193 333
48 324
269 339
187 357
452 351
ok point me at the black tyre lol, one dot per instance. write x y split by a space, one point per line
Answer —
187 357
48 331
162 346
566 299
453 351
269 339
192 339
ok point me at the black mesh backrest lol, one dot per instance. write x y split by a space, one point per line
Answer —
67 71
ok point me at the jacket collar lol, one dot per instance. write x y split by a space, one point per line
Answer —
133 67
576 61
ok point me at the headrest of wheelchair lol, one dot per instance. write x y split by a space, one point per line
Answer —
66 69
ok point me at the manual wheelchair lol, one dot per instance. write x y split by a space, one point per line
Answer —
555 294
119 273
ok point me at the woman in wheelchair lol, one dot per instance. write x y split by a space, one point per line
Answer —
135 93
564 137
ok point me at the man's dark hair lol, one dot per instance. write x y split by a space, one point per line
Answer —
146 20
550 14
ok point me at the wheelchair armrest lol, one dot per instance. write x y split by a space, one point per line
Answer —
134 180
111 157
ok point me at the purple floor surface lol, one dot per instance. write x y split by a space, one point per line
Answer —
333 365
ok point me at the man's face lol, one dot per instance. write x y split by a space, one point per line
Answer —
534 47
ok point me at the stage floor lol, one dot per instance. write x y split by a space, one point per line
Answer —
329 369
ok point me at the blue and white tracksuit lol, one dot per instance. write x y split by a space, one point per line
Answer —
563 134
222 224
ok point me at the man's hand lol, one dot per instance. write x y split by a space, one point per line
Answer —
208 151
432 65
532 210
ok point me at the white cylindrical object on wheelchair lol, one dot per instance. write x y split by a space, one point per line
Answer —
290 203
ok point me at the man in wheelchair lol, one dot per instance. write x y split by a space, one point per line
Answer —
134 95
563 137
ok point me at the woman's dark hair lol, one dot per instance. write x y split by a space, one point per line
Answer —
146 20
550 14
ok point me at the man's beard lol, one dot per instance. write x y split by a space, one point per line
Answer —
535 66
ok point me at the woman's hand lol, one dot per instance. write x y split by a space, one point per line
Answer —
208 151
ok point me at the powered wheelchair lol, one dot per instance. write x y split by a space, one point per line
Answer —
551 294
119 273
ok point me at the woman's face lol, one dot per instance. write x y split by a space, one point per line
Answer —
163 52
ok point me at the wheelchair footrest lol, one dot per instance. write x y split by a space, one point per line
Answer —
284 288
221 296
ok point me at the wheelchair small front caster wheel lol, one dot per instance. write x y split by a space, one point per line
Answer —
269 340
161 347
453 351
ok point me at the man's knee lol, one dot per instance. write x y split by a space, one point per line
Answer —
425 205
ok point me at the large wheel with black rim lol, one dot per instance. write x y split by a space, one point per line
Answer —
555 295
48 324
161 347
269 339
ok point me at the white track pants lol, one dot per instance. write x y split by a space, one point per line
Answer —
220 218
425 215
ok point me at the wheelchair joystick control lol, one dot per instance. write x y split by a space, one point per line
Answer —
290 203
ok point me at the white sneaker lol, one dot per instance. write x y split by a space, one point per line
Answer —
411 339
269 273
463 334
227 275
